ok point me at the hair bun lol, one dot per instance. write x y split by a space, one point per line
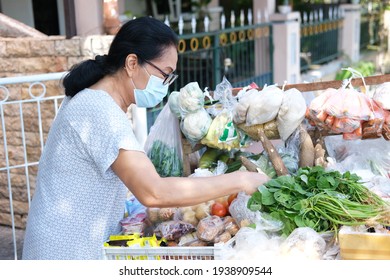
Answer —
101 59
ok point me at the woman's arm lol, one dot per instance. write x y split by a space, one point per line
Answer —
139 175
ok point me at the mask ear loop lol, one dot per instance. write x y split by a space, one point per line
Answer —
146 71
133 83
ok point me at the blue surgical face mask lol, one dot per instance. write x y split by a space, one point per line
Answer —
153 94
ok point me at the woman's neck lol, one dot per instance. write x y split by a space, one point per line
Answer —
118 88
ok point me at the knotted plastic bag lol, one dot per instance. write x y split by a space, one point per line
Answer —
222 133
163 145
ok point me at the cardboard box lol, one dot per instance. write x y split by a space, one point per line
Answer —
357 245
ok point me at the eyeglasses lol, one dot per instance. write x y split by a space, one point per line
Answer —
169 78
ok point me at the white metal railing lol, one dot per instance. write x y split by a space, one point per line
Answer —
17 107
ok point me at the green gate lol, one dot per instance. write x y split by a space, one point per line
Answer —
242 54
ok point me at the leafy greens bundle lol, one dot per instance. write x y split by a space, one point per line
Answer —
320 199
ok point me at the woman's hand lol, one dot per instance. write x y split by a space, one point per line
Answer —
250 181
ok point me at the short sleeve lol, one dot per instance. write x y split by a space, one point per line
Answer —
103 129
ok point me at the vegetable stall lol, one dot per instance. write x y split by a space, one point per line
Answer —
327 156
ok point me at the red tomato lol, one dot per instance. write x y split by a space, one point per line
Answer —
231 198
218 209
225 204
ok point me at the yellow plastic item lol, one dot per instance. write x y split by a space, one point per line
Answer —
124 237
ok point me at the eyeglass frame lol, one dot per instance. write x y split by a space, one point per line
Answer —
168 78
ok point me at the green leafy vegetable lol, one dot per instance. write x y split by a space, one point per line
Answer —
166 160
320 199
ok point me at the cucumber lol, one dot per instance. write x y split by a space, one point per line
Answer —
209 158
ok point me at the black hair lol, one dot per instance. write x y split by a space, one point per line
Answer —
146 37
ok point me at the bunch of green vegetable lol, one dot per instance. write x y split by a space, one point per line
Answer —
166 159
320 199
366 68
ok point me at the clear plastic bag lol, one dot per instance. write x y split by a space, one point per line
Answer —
173 102
190 99
349 103
382 95
209 228
239 211
303 243
222 133
173 230
134 224
367 158
163 145
133 206
205 172
291 113
252 244
195 125
264 105
135 220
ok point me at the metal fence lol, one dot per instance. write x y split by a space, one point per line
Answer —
321 31
27 107
233 52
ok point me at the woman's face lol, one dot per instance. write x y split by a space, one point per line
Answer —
160 67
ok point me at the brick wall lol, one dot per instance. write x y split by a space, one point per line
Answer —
27 56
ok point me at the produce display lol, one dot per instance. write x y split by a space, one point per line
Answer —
201 225
317 186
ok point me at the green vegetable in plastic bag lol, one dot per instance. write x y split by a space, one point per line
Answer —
163 145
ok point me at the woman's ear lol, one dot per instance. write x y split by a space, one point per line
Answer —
131 64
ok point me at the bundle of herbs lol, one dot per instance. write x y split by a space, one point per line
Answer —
320 199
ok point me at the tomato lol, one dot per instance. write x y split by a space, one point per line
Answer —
231 198
225 204
218 209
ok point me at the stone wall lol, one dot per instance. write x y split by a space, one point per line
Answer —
28 56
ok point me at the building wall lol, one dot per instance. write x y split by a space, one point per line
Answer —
20 10
27 56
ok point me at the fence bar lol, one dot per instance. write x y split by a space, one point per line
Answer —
32 78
